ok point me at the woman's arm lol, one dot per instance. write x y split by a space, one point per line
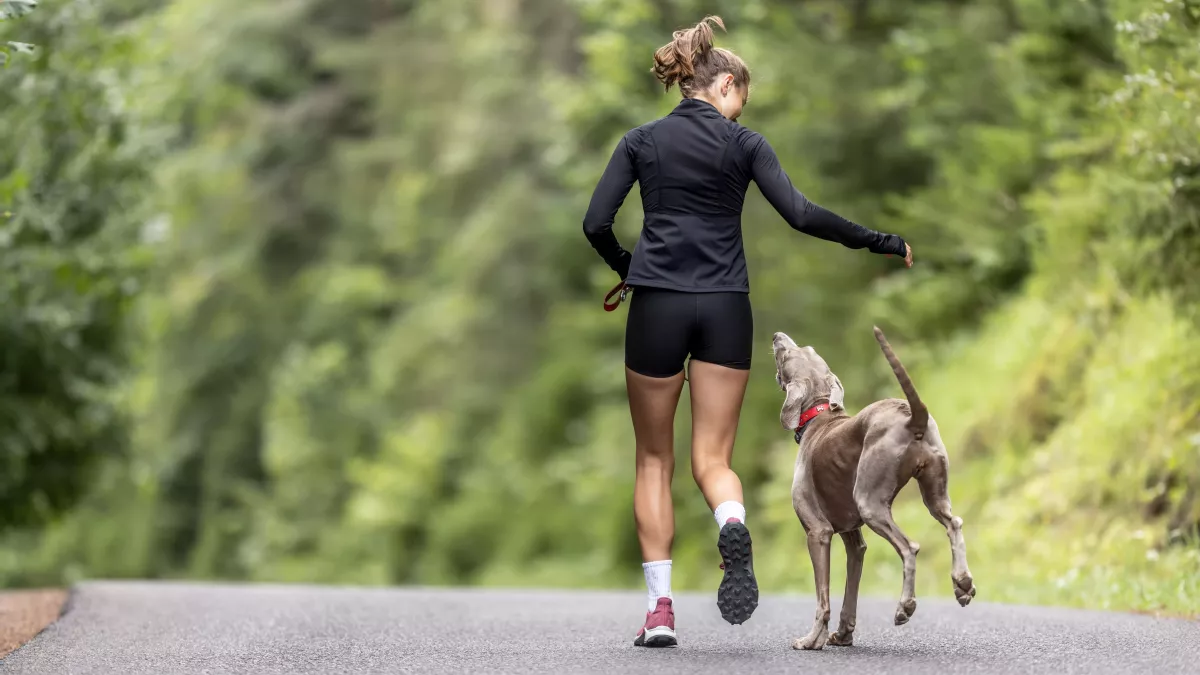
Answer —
805 216
610 193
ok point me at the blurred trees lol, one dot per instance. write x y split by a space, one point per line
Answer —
9 10
72 173
369 347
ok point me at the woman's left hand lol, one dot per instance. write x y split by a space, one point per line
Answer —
907 255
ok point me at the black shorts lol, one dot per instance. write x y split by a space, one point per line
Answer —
665 326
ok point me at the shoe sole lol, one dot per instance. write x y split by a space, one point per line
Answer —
737 597
656 637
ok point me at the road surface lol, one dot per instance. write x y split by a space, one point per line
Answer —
164 629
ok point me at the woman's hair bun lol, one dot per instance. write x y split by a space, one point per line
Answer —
675 62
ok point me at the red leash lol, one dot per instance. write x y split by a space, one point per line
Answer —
619 288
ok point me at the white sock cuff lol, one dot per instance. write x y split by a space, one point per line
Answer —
727 510
658 582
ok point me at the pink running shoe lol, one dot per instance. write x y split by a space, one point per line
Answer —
659 630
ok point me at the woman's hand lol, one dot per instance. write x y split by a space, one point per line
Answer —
907 255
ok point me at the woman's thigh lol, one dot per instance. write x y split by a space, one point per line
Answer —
658 332
717 393
724 330
718 374
652 404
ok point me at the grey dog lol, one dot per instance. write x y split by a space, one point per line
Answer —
849 470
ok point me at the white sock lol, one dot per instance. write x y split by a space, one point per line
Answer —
727 510
658 582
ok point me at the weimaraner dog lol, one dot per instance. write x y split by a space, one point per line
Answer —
848 472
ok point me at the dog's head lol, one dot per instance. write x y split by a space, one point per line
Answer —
806 378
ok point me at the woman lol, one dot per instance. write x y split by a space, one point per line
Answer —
692 298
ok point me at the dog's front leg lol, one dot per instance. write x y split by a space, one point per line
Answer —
818 551
856 550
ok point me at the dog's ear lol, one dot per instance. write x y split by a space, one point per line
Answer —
789 416
837 394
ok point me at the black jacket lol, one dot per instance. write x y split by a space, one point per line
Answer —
693 167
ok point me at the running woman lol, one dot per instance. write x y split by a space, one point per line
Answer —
692 299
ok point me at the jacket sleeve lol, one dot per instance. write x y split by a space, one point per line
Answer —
607 198
805 216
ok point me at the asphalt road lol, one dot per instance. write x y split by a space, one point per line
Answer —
188 628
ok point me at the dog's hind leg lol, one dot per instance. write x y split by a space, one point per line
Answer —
875 506
933 479
856 549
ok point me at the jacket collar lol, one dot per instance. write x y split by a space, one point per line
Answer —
696 107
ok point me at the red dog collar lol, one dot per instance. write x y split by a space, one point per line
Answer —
807 416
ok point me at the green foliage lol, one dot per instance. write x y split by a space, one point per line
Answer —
370 349
71 175
12 9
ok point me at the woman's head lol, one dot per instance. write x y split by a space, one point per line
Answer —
703 71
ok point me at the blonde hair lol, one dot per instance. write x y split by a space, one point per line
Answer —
691 61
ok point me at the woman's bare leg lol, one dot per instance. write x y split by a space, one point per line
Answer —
717 393
652 404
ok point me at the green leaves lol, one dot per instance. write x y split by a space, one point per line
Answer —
70 208
19 47
12 9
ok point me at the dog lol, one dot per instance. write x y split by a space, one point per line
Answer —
849 470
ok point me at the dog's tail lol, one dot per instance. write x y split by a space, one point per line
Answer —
919 418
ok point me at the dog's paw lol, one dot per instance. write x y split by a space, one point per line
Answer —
964 589
841 639
905 611
814 640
